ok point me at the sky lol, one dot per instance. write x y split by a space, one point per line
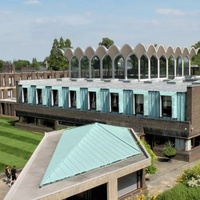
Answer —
29 27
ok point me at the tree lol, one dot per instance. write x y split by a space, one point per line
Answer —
21 63
35 64
106 42
56 60
196 59
1 64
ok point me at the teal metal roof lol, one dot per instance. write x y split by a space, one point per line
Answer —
89 147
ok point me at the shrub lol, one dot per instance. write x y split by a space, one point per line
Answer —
179 191
189 174
150 169
169 150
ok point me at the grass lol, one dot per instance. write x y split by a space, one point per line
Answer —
16 145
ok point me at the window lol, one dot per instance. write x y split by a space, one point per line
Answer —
10 93
24 95
9 81
114 102
139 103
128 184
72 99
54 97
166 106
39 96
92 100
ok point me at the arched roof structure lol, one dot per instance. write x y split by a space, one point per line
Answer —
127 50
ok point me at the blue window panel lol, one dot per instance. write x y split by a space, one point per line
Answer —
105 103
47 95
65 96
33 94
128 102
181 106
20 93
154 104
84 98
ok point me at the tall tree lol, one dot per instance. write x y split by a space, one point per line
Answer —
56 61
196 59
21 63
106 42
35 64
1 64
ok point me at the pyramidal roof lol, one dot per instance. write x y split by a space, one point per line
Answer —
89 147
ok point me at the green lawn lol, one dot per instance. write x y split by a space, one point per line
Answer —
16 145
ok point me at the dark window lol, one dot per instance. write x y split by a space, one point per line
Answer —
92 100
139 103
25 95
73 99
54 97
39 96
166 106
114 102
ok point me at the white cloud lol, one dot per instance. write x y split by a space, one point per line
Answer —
65 20
31 1
169 12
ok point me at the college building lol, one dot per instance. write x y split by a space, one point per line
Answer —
150 89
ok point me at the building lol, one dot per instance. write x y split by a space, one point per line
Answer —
91 162
9 79
155 94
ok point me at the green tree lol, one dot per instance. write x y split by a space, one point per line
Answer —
35 64
1 64
21 63
56 60
196 59
106 42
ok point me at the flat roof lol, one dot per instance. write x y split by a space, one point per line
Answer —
174 85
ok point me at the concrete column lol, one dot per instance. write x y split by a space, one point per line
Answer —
139 69
188 145
90 71
101 68
167 68
149 68
158 68
112 189
125 73
183 73
79 68
113 68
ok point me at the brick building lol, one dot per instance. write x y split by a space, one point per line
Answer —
8 82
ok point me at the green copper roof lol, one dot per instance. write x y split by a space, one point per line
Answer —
89 147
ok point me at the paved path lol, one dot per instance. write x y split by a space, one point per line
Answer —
3 187
164 178
166 174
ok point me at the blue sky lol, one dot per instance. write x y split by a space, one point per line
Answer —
28 27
